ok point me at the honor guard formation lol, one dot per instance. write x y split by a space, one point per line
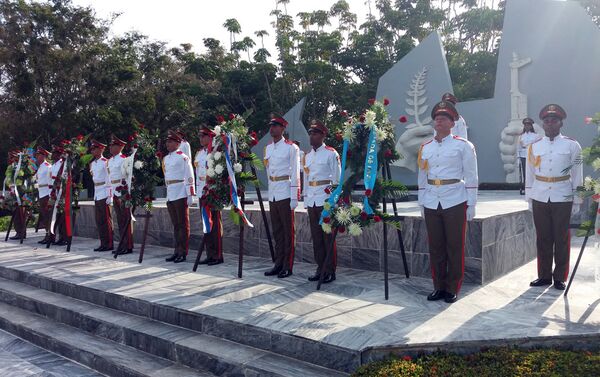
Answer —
447 194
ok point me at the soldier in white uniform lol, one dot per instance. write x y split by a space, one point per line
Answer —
528 136
554 171
184 146
117 179
43 178
321 170
214 239
460 126
102 195
57 169
282 163
448 184
179 179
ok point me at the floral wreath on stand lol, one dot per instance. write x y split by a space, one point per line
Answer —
141 169
20 178
591 185
367 143
226 179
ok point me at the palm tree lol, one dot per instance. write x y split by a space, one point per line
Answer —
247 44
261 55
261 34
233 27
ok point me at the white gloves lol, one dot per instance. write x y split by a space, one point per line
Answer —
109 200
470 213
293 204
422 211
190 200
575 209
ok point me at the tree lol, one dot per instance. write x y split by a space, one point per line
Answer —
234 28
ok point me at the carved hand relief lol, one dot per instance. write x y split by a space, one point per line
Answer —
420 130
518 111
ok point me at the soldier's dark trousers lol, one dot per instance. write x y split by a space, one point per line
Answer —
104 223
214 239
180 217
282 220
122 213
553 238
321 242
446 230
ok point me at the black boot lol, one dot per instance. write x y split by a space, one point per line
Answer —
273 271
171 258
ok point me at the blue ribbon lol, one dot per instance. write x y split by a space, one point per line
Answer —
335 195
370 169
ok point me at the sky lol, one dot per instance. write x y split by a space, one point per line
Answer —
189 21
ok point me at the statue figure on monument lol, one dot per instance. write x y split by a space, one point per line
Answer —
518 111
418 131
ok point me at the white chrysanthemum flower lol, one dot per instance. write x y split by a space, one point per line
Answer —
597 188
219 169
596 164
326 206
138 164
588 183
237 167
210 163
348 134
343 216
210 172
370 118
217 155
326 228
380 134
355 211
354 229
217 130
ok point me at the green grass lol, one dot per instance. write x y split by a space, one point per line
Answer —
495 362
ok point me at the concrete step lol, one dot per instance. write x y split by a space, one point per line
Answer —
102 355
179 345
46 273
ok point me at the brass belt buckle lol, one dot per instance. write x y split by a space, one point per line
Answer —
437 182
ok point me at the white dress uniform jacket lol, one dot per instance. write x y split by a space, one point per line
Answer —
179 176
282 160
200 166
185 147
321 169
114 170
44 180
452 158
56 168
548 160
525 140
102 185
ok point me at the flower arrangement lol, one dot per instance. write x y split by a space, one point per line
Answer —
20 178
142 169
368 137
591 185
234 141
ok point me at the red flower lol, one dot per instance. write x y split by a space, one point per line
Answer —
339 136
371 101
362 118
136 146
327 190
346 199
406 358
66 142
403 119
342 229
220 119
231 116
388 154
254 142
243 155
80 137
368 192
326 220
363 216
344 113
131 138
127 197
253 134
141 126
376 218
124 183
159 154
386 102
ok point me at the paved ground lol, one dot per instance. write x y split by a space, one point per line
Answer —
19 358
351 312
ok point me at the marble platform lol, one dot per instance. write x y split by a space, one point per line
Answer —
342 326
499 239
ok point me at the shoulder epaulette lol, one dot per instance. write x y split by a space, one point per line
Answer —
123 155
179 152
456 137
330 148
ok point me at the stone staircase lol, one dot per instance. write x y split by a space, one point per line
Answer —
119 335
